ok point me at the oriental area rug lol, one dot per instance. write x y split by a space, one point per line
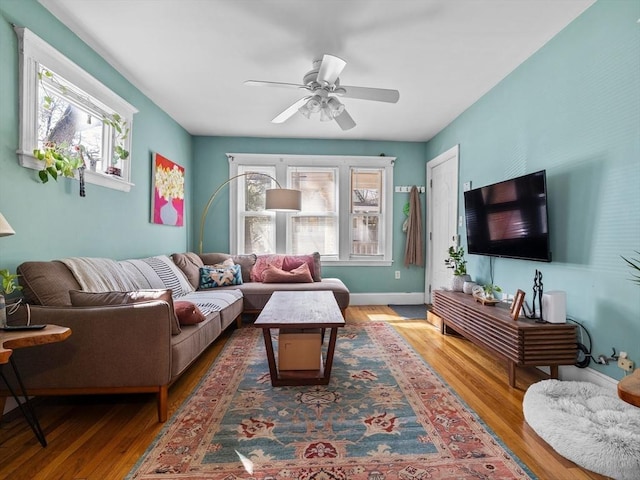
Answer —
384 416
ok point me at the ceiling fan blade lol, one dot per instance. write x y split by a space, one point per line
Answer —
290 112
366 93
345 121
260 83
330 69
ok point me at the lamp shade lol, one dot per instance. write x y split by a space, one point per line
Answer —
5 228
283 199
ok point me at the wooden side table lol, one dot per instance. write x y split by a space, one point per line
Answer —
629 388
10 340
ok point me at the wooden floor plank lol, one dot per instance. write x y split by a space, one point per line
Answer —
102 437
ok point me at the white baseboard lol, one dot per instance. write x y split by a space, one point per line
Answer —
587 375
409 298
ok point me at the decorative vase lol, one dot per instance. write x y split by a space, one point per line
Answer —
168 213
467 287
457 282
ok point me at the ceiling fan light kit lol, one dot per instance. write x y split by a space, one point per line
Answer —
323 83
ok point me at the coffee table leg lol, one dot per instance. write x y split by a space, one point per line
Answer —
268 344
330 351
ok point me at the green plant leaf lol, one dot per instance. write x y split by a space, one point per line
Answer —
44 176
53 172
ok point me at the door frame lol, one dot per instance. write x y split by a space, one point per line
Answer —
451 155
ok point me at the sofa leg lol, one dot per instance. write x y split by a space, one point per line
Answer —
163 407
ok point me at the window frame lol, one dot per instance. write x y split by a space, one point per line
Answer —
344 164
33 52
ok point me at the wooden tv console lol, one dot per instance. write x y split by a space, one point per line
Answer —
520 342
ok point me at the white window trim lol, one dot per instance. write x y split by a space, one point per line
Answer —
34 51
344 163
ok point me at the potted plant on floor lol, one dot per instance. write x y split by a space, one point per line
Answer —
457 262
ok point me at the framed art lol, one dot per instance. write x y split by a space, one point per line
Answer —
167 202
516 305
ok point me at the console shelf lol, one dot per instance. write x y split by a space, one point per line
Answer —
520 342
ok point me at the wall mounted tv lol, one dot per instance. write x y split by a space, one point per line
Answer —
509 219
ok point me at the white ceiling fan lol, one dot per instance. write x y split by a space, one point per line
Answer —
323 85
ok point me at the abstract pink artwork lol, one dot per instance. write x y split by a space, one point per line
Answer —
167 204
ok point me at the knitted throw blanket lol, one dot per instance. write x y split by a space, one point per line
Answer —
100 274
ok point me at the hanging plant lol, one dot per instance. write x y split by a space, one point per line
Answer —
58 160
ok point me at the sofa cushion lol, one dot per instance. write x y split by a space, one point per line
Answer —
188 313
297 275
246 262
46 283
291 262
257 294
226 300
212 276
80 298
190 264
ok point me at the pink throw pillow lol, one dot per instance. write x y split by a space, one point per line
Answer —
262 263
188 313
294 261
297 275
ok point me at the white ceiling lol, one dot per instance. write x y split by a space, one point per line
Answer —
191 57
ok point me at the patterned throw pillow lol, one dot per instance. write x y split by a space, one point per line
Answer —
212 276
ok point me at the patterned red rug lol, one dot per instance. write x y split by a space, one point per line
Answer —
384 416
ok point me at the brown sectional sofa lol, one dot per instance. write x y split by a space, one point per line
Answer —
132 348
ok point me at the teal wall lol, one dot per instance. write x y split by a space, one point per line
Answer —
52 221
213 168
573 108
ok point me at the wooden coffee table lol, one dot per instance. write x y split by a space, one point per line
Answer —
300 310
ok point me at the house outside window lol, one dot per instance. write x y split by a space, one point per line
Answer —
346 207
66 109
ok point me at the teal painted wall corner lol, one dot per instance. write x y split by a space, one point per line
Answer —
573 108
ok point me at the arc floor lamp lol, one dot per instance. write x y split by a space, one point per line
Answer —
278 199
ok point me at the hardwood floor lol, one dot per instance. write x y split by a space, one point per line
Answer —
102 437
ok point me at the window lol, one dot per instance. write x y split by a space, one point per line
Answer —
65 108
346 207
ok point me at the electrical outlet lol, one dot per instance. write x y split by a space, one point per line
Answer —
397 274
625 364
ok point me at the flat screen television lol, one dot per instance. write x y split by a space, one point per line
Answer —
509 219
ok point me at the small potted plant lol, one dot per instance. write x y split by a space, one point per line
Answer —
489 290
9 286
457 262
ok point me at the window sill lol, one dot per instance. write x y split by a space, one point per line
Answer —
95 178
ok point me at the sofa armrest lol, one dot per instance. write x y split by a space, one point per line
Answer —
109 346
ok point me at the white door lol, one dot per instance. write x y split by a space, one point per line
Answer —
442 221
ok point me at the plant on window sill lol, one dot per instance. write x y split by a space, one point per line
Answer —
114 120
121 128
58 161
